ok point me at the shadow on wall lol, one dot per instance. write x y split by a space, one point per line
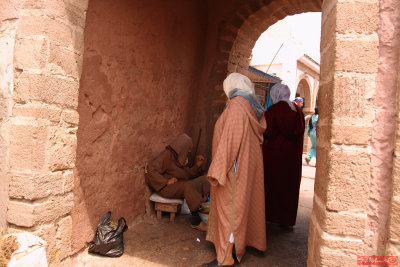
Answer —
139 72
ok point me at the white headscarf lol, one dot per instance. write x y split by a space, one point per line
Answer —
238 81
281 92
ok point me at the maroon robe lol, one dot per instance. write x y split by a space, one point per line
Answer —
282 155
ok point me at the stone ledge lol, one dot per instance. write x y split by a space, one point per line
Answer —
38 111
30 53
32 187
360 17
30 214
47 88
61 149
54 29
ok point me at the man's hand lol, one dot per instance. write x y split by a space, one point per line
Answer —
200 160
172 180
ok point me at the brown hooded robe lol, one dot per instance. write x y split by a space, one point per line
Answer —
171 163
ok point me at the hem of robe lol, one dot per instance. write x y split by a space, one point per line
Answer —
232 221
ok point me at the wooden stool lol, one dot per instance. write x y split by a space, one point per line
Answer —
166 207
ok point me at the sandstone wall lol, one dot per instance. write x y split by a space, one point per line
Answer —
355 132
393 244
140 77
47 64
9 14
74 146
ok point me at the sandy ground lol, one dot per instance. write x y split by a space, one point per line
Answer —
153 242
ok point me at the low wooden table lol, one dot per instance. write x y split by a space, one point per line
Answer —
166 207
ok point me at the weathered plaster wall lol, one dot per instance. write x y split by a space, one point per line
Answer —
140 71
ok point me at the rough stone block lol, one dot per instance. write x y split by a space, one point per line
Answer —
30 53
348 245
321 174
68 181
366 49
56 6
78 38
224 46
54 208
353 96
65 62
33 187
324 135
70 116
48 233
31 214
349 173
396 176
339 258
360 17
327 65
312 233
397 142
393 249
63 237
236 22
27 147
49 89
37 111
394 224
61 149
351 135
20 213
81 4
54 29
66 263
345 224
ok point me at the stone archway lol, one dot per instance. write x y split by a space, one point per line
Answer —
355 176
345 221
237 37
304 91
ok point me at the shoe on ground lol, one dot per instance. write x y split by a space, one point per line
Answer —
213 263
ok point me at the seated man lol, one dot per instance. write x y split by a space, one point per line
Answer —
169 176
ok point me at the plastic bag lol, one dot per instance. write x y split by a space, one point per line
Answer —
109 241
185 208
31 251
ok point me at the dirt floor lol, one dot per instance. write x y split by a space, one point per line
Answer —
153 242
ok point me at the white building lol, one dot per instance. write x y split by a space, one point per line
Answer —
279 52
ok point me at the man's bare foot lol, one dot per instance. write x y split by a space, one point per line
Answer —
201 227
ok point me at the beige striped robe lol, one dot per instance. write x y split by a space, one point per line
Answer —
237 200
